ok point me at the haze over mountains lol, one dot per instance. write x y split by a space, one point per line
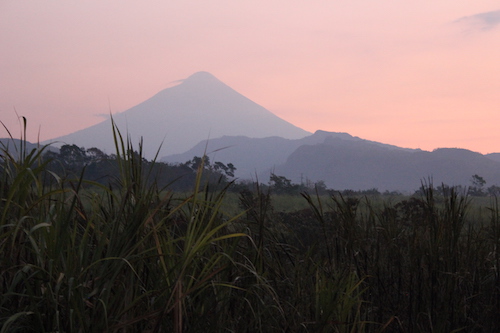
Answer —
360 165
199 108
260 156
346 162
203 115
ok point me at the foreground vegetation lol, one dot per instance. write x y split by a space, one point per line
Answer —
133 256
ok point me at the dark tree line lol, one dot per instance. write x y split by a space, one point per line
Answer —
72 161
100 167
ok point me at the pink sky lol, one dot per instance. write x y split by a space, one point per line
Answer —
419 74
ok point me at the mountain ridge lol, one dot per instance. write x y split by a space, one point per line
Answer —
202 115
259 155
362 165
344 161
179 117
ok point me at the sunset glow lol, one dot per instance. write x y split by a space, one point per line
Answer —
414 74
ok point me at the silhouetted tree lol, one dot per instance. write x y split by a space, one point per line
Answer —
73 157
281 184
478 183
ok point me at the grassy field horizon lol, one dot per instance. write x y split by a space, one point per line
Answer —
130 255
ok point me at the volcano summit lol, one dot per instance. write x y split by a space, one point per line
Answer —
199 108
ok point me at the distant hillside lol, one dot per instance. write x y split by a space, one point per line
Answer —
199 108
346 162
357 165
257 156
339 159
494 156
13 146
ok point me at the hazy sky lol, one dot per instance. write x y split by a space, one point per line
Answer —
420 74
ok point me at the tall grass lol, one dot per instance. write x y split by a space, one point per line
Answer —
427 266
79 256
129 256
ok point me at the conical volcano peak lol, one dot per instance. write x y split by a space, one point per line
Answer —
201 77
201 106
203 81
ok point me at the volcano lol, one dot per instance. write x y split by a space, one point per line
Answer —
200 107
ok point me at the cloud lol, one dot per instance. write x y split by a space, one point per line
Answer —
102 115
481 21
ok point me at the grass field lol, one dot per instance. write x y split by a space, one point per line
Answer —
78 256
